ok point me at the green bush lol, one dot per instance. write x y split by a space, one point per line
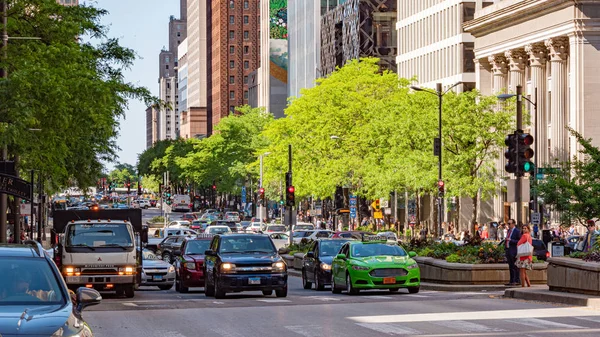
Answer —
453 258
157 219
577 255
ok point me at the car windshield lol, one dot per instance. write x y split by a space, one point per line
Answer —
302 234
303 227
218 230
99 235
276 228
148 255
331 248
241 244
377 249
27 281
196 247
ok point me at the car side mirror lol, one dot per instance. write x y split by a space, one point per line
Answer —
310 254
341 256
87 297
412 254
177 253
210 252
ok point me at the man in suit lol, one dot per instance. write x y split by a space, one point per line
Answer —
510 249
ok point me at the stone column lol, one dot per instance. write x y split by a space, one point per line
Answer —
499 71
517 60
483 78
558 51
537 61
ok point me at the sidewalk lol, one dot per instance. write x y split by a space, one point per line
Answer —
543 294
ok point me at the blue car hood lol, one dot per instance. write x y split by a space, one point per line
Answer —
36 320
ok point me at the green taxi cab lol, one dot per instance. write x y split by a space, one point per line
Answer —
374 264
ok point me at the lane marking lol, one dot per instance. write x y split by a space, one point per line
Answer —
323 298
216 302
564 332
476 315
467 326
416 295
390 329
536 323
273 300
129 304
380 297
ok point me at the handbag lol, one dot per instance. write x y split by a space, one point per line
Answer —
525 249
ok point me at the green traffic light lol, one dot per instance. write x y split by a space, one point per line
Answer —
281 202
527 166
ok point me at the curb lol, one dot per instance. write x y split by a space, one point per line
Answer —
543 294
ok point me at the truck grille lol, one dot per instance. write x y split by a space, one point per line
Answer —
103 271
388 272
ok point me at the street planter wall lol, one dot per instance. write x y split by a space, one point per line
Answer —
289 260
298 260
440 271
573 276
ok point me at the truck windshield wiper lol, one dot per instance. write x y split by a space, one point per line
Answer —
259 251
115 245
83 245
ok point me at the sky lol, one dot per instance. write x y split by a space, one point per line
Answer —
141 25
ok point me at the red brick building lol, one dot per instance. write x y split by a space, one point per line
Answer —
233 53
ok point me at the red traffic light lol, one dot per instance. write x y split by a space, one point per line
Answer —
291 189
261 190
441 183
214 187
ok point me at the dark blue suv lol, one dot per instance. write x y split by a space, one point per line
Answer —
34 298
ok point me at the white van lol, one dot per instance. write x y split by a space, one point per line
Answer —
181 203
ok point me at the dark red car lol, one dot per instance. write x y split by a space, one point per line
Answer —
189 263
153 203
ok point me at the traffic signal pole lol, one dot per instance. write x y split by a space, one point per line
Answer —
289 208
441 195
518 186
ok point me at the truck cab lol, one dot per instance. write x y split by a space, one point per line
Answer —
102 253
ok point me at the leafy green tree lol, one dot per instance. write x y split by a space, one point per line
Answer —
71 90
146 160
575 191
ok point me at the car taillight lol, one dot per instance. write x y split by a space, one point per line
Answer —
547 254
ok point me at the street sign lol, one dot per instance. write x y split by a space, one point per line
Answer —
378 215
352 200
353 212
243 194
548 170
539 176
536 218
384 203
388 211
14 186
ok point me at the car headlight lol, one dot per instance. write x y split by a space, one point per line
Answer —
172 269
279 266
360 268
325 266
190 265
412 266
71 271
228 268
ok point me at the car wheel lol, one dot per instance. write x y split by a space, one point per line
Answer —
129 291
166 257
209 289
334 288
318 285
177 284
349 288
145 207
219 293
165 287
394 290
281 292
305 283
413 290
267 292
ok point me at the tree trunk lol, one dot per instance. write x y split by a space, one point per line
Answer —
474 200
458 227
434 202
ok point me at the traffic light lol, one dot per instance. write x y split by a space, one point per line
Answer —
377 205
139 189
525 153
281 201
168 189
511 153
128 184
214 187
261 195
440 185
290 201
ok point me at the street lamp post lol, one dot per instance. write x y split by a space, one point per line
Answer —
260 185
439 93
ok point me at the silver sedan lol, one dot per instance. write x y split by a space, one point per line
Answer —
156 272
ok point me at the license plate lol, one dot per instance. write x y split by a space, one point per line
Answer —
389 280
157 278
254 280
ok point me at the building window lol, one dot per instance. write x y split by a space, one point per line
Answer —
231 19
246 50
231 5
231 49
232 95
246 19
468 11
246 64
166 66
245 79
231 79
246 5
246 35
178 34
231 108
232 34
231 64
245 94
167 59
468 57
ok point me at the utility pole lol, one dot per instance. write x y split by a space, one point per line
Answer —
518 197
4 75
289 208
440 94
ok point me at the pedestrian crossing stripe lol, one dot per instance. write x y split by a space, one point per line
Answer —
273 300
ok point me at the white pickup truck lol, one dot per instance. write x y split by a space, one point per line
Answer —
162 233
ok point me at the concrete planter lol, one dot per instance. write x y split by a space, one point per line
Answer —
440 271
155 224
289 260
573 276
298 261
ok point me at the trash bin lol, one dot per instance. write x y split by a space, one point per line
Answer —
556 249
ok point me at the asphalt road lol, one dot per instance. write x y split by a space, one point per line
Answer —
310 313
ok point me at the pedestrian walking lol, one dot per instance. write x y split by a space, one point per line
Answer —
590 236
525 252
510 249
